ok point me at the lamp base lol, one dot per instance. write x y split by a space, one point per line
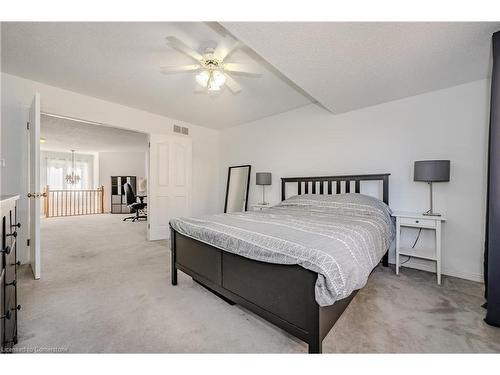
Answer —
430 213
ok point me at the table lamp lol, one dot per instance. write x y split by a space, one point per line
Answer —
263 178
431 171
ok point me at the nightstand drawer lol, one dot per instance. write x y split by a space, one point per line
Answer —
423 223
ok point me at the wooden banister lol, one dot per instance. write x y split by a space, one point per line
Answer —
73 202
46 201
101 200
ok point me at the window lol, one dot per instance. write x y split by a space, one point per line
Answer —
59 166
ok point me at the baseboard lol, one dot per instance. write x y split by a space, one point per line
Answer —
432 268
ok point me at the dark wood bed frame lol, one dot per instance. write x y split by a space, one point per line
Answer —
282 294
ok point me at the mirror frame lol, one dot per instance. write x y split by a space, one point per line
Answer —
248 184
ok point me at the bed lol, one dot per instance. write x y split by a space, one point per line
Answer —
298 264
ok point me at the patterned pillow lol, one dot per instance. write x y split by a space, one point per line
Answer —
352 204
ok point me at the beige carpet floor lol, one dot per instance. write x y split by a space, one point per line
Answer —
104 288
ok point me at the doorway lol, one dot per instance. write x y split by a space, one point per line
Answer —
76 161
79 162
78 165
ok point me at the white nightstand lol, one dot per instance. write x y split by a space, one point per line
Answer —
417 220
261 207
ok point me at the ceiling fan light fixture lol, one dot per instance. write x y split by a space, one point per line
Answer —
213 87
211 65
202 78
212 80
218 78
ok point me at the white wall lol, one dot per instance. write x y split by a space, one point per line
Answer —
17 94
119 164
446 124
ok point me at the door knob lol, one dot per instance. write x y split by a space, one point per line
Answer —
6 250
18 225
13 234
18 307
36 195
6 316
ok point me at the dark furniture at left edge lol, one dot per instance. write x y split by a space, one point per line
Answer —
8 274
282 294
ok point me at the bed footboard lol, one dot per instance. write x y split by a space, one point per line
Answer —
282 294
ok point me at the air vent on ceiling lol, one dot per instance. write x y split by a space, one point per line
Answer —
181 130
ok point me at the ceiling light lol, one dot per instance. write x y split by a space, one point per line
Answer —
212 80
42 140
211 65
218 78
203 78
212 86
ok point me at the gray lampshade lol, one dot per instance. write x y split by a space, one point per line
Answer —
432 171
263 178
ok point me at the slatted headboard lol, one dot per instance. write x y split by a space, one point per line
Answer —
306 185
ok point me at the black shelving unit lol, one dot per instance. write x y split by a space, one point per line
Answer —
118 198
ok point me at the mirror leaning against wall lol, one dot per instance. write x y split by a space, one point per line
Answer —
238 181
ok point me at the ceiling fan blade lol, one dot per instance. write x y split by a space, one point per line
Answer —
226 47
179 68
183 47
242 68
232 84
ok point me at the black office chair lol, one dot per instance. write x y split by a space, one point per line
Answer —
133 204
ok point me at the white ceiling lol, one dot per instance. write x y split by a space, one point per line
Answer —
343 66
120 62
346 66
65 135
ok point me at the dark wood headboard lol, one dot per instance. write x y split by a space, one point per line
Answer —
313 181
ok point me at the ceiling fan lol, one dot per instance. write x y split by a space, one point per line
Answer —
212 70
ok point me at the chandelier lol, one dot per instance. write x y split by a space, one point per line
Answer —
72 178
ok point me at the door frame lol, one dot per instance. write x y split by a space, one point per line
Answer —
96 123
33 194
147 133
44 113
72 118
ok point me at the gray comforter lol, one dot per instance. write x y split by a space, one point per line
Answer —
341 237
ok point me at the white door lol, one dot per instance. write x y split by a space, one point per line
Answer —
34 185
169 195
